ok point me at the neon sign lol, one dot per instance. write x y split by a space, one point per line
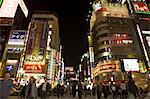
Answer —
140 7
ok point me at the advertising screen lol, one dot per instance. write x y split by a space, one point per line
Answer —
17 37
131 64
140 7
8 8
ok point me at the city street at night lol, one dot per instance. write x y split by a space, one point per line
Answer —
74 49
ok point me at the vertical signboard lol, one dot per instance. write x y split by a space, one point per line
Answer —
36 42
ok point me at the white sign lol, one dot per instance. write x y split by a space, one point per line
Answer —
9 7
17 37
131 64
148 40
146 32
23 7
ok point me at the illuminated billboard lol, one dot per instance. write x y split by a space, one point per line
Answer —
37 39
8 8
12 66
111 9
17 37
140 7
131 65
34 68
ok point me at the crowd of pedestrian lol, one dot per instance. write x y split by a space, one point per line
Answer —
30 90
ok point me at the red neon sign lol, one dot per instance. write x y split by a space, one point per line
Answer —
34 68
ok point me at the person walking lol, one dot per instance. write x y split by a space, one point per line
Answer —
85 90
80 90
31 89
99 89
58 90
44 89
113 89
123 88
6 86
74 89
105 91
133 90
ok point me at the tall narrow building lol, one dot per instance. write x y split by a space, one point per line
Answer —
42 46
13 14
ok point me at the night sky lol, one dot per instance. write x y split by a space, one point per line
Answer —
72 24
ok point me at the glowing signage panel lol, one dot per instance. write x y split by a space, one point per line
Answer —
17 37
141 7
34 68
108 66
8 8
131 64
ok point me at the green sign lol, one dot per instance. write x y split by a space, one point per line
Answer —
1 2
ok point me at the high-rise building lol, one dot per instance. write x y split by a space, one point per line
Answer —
13 14
115 41
42 46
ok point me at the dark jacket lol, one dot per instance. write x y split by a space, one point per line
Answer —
48 87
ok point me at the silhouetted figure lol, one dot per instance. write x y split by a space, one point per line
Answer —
80 90
74 89
133 88
105 91
62 90
6 85
31 89
123 88
58 90
113 90
99 89
44 89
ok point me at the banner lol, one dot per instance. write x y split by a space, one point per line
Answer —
34 68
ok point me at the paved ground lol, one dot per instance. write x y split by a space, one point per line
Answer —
70 97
